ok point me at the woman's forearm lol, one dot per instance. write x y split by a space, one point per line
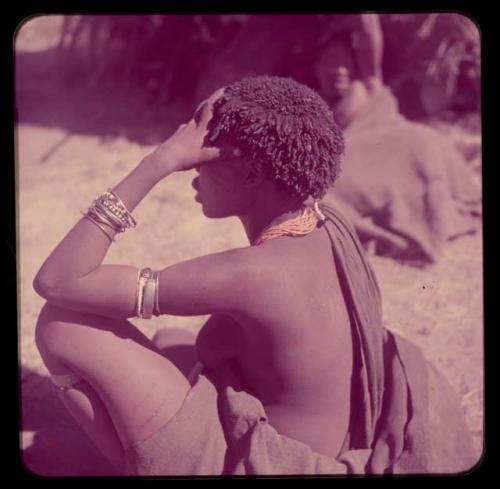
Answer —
85 246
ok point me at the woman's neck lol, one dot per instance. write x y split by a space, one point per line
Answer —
256 221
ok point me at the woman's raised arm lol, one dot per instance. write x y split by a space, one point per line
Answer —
73 273
83 249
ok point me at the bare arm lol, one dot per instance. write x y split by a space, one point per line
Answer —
370 48
83 249
210 284
73 275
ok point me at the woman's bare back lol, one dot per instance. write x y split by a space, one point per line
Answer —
295 352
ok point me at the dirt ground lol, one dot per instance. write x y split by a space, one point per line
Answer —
65 158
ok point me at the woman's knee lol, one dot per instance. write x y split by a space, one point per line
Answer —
50 334
70 335
57 329
48 327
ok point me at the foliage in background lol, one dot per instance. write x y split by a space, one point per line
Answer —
434 56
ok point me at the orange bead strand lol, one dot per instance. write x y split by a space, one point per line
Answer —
303 224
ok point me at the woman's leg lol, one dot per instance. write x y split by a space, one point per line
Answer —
127 391
91 414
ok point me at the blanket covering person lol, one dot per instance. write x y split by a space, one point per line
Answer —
405 417
404 186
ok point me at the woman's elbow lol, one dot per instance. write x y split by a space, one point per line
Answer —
45 288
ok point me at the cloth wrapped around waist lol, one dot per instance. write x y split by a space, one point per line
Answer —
221 429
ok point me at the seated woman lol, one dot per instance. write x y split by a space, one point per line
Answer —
405 187
295 373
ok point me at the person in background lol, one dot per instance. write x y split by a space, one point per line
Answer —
405 187
350 64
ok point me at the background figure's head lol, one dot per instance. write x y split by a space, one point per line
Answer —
276 136
339 81
335 70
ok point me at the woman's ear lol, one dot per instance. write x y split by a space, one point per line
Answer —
255 173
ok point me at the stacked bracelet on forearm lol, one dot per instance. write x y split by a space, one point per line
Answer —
109 210
147 304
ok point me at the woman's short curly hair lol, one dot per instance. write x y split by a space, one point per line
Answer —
286 126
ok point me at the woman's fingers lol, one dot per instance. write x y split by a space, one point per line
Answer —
204 111
210 154
206 114
185 146
204 156
183 126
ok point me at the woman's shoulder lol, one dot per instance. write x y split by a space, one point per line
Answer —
217 282
269 274
253 274
259 262
286 265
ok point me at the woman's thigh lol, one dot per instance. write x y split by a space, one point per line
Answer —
140 388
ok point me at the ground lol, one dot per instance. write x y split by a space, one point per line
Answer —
67 154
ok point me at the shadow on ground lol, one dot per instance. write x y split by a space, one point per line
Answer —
52 94
52 442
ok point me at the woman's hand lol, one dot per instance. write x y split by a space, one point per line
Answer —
183 150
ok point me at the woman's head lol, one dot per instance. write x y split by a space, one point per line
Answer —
272 130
